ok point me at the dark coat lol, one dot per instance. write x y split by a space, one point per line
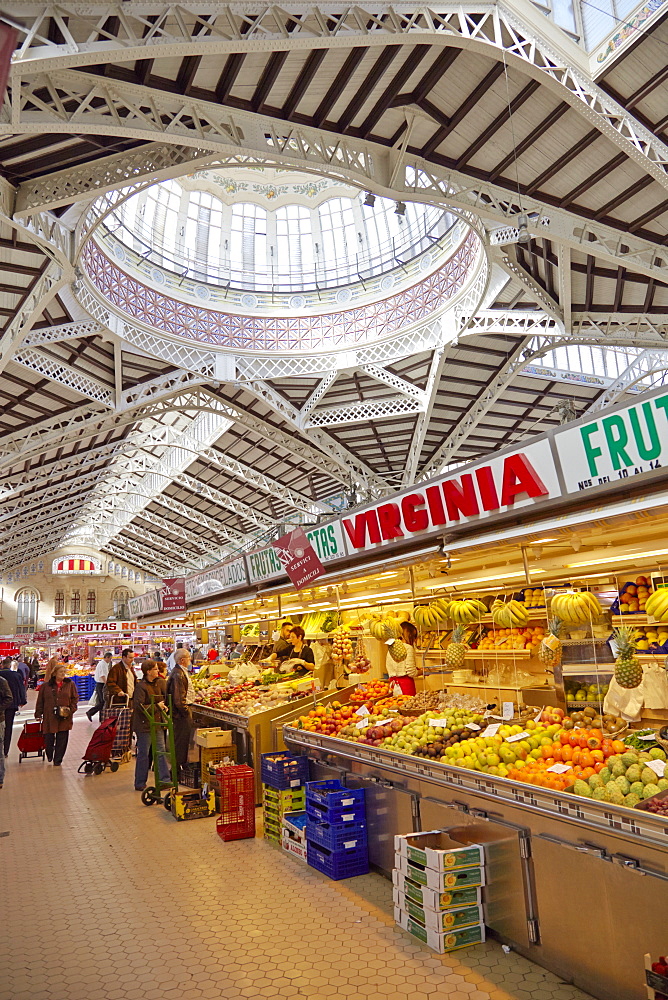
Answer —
117 681
16 686
177 687
146 694
6 696
48 697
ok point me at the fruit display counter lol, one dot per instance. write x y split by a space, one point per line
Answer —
589 872
262 731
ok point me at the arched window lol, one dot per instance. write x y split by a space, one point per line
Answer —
26 610
75 603
120 598
59 603
91 602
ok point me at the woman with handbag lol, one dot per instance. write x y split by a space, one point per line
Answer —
57 702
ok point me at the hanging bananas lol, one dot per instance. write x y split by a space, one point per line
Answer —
465 611
576 609
509 614
657 605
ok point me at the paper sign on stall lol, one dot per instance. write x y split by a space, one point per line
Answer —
508 710
559 768
361 724
491 730
658 766
362 710
517 736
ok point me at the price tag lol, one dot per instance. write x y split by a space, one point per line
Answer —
508 710
472 725
491 730
551 641
362 710
439 722
649 737
361 724
537 718
516 737
658 766
559 768
390 642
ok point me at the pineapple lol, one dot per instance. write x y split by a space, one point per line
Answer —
398 651
454 654
628 669
549 652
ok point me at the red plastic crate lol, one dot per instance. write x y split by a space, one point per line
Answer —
237 802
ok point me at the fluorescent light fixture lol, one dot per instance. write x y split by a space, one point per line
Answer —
539 541
370 597
615 559
480 579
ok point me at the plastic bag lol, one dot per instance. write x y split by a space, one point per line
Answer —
655 687
624 702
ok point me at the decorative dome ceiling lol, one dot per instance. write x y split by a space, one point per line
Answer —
270 230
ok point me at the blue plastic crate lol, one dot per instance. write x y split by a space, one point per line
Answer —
337 864
337 836
330 801
281 770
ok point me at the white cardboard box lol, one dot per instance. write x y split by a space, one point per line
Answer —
443 920
212 738
294 848
440 941
436 850
432 899
458 878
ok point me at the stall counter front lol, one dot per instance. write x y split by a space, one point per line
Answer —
587 882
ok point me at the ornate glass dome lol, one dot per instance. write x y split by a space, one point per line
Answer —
274 232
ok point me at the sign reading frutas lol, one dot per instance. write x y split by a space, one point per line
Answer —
626 443
298 558
500 484
115 628
173 594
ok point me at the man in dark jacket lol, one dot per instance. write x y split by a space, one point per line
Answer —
19 698
182 692
6 701
120 682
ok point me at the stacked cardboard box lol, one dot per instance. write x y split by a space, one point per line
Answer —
437 889
294 834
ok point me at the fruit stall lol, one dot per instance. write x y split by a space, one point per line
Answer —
588 856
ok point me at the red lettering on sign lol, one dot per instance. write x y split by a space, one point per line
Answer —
460 499
519 476
487 488
415 516
436 509
357 530
389 519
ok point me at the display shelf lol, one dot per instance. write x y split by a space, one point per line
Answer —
582 670
588 703
500 687
639 619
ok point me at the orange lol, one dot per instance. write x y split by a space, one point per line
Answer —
598 755
618 746
567 753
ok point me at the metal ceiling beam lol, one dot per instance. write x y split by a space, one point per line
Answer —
478 409
389 378
532 287
424 418
143 557
646 363
501 31
322 388
37 296
370 409
114 108
64 374
63 332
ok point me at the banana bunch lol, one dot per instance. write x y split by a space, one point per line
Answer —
441 608
509 614
657 605
575 609
463 612
425 617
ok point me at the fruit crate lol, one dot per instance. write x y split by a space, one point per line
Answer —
190 775
287 800
272 829
215 756
237 801
330 801
337 864
284 770
336 836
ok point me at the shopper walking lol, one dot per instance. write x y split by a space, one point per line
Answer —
6 700
19 698
101 674
121 678
56 704
50 667
34 671
182 691
24 670
148 697
171 659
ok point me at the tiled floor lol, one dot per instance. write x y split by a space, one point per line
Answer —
106 899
